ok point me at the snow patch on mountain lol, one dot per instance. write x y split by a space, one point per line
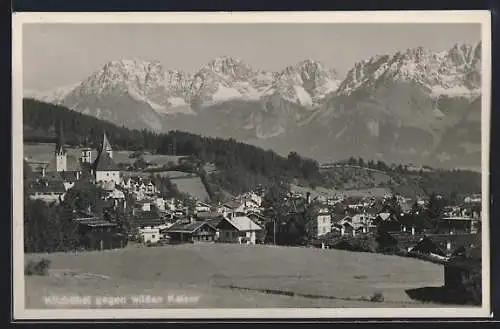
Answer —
302 97
224 93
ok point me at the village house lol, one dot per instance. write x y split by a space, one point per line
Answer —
257 217
69 178
428 247
149 234
238 229
232 206
98 234
202 207
253 199
207 215
47 190
323 222
159 203
459 224
115 194
385 217
148 225
365 219
346 227
474 198
144 205
190 231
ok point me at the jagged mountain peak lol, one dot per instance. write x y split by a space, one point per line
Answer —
228 68
453 71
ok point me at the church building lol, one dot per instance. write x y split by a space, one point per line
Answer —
104 169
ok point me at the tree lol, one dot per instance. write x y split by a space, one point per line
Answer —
308 224
435 207
393 207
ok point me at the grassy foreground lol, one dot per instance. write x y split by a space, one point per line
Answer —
229 276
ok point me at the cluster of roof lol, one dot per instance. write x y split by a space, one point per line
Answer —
46 186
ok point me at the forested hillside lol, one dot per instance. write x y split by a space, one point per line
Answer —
240 166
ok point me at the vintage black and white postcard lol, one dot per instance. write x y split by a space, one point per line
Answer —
251 165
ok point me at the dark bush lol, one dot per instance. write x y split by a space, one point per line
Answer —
37 268
377 297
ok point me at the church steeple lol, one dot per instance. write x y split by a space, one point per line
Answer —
60 148
106 146
60 151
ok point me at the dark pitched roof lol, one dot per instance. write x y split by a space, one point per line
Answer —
147 218
232 204
215 221
94 222
68 176
188 227
258 216
207 214
427 246
47 186
105 163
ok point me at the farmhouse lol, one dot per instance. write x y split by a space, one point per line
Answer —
238 229
459 224
98 234
148 225
348 227
257 218
232 206
147 219
202 207
385 217
46 190
428 247
191 232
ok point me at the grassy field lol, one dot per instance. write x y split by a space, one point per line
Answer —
235 276
192 186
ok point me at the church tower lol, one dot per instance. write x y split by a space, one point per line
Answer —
106 146
60 152
86 153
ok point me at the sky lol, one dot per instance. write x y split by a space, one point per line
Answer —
61 54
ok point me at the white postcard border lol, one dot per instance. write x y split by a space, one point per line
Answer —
19 310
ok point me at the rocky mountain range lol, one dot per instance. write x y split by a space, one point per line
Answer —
412 106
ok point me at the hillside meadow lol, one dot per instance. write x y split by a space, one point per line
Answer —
235 276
